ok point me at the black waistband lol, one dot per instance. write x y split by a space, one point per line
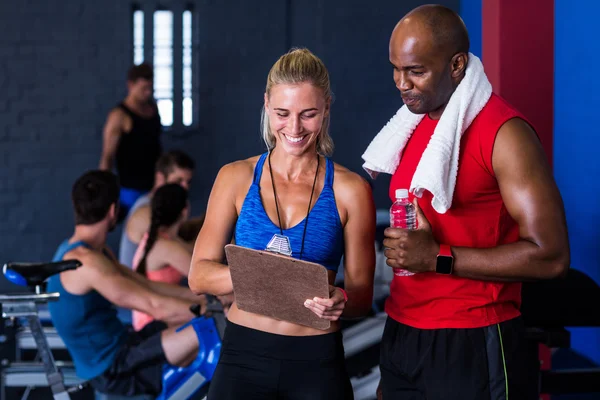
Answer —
239 338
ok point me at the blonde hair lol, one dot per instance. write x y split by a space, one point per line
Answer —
297 66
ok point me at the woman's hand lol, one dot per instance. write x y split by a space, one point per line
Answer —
331 308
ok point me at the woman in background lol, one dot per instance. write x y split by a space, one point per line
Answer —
161 255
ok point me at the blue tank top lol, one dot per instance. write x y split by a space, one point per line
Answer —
88 324
127 248
324 241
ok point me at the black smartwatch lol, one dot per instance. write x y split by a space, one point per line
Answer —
445 261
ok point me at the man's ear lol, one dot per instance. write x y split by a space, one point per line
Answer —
459 64
159 179
113 210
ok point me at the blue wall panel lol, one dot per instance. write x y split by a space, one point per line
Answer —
577 140
470 11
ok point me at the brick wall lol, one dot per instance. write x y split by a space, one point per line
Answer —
62 67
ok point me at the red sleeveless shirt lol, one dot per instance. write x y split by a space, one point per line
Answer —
477 219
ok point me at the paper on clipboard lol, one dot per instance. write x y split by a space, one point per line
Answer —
277 286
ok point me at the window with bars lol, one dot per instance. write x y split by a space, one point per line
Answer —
165 58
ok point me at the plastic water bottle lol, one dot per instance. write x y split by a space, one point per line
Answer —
403 215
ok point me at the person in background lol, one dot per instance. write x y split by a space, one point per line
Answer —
132 138
173 166
105 351
162 256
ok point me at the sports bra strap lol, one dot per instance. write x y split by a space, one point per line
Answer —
329 172
259 168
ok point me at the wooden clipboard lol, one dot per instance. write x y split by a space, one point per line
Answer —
277 286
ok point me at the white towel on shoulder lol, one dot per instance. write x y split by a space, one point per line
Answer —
437 169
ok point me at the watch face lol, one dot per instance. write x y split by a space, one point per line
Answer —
444 265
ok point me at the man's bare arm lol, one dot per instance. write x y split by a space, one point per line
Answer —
162 288
531 198
107 278
138 223
110 139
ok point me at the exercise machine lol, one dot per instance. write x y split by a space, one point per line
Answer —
25 305
361 340
179 383
549 308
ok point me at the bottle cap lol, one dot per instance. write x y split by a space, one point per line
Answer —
401 193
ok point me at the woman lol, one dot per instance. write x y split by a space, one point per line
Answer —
161 255
270 194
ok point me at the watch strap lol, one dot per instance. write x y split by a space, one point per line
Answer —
445 250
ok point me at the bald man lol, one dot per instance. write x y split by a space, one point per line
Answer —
454 329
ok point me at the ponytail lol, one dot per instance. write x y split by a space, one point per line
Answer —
152 236
166 207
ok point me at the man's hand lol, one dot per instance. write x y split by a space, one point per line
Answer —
200 307
226 300
412 250
379 392
203 303
330 308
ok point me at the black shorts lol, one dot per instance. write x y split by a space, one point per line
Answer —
138 365
490 363
259 365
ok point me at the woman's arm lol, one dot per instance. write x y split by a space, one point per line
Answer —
359 247
354 196
207 273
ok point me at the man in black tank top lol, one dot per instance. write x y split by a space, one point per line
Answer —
131 137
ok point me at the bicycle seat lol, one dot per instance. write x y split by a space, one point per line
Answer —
33 274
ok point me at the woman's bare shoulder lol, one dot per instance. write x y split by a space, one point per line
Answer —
240 170
348 181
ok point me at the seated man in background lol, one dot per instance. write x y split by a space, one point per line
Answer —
105 352
172 167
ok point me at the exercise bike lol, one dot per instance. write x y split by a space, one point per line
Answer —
179 383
